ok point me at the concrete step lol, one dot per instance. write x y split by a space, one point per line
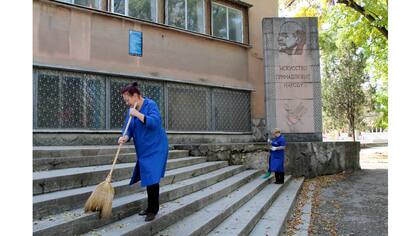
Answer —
76 222
78 151
57 180
173 211
244 219
60 201
206 219
273 222
54 163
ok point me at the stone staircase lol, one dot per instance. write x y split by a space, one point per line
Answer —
197 197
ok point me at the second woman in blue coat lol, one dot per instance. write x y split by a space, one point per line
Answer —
276 161
151 144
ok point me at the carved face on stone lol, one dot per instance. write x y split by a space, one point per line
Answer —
287 40
291 36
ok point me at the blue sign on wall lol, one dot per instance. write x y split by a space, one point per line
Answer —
135 43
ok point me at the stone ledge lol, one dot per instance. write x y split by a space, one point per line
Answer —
77 139
308 159
374 144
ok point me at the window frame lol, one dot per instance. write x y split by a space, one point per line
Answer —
107 6
72 2
111 9
79 5
186 17
227 21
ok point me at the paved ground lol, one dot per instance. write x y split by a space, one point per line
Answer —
374 158
355 203
348 203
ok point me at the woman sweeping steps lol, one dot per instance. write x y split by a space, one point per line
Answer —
276 158
151 144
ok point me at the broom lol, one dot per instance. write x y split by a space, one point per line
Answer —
101 198
267 173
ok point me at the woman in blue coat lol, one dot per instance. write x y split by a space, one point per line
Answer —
276 161
151 144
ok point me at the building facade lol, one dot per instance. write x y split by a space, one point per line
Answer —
202 62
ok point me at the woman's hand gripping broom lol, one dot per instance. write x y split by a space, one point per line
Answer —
101 198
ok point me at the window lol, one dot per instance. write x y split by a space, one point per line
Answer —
140 9
75 100
235 25
189 107
118 108
227 23
70 101
118 6
195 15
86 3
186 14
219 16
143 9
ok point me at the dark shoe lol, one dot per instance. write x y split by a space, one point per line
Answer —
281 177
277 175
143 212
150 217
279 182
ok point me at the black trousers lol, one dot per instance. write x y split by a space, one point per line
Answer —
153 198
279 177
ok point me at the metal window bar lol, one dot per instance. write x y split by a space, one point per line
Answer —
189 108
74 100
232 110
35 99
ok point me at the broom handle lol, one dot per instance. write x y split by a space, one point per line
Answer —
108 178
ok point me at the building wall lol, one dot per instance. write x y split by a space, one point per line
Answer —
90 40
255 54
256 62
71 37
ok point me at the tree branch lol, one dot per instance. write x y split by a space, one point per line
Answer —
352 4
290 3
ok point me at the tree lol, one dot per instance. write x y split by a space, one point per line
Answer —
380 22
339 23
344 96
374 11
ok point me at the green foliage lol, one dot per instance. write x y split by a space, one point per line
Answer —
141 9
345 100
340 24
382 108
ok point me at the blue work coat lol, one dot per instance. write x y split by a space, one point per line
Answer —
276 163
151 144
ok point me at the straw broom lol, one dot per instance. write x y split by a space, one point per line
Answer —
101 198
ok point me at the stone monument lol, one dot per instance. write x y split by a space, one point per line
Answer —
292 77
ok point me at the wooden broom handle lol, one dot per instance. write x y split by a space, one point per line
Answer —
108 178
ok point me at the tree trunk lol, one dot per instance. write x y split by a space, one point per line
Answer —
352 127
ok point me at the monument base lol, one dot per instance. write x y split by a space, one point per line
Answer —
303 137
308 159
292 77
